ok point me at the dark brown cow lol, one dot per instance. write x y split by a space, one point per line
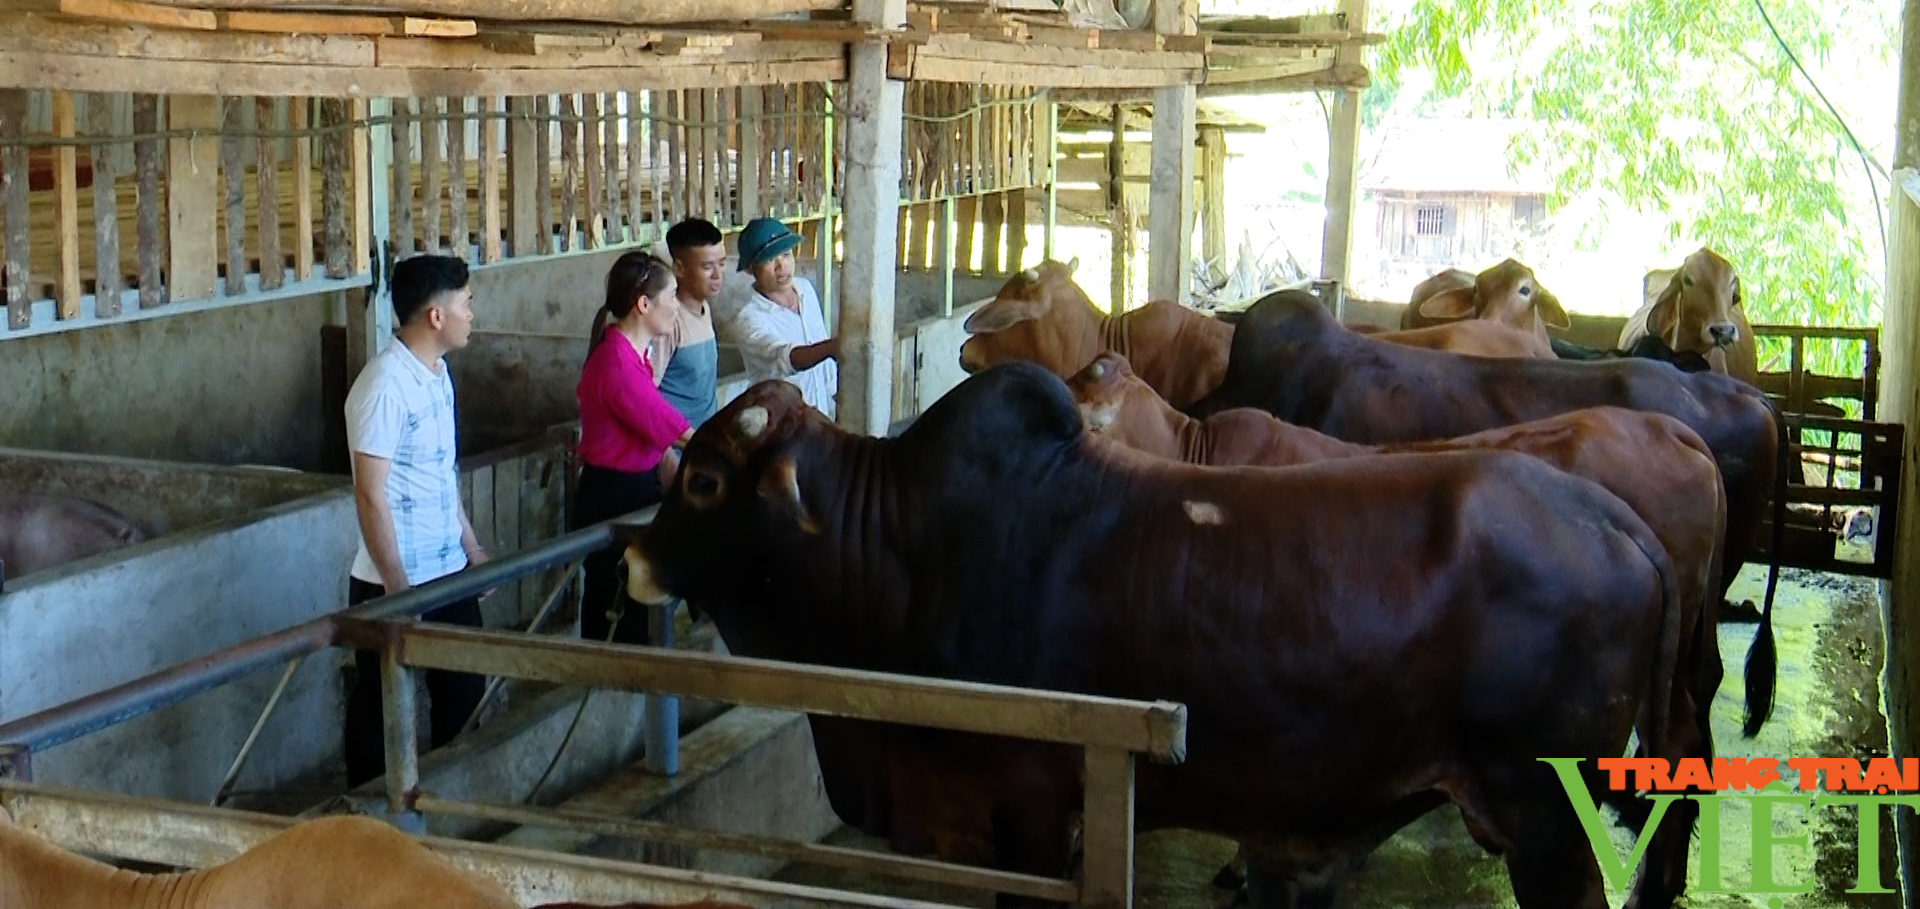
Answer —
1696 309
1507 293
1331 695
1293 360
1653 462
1041 316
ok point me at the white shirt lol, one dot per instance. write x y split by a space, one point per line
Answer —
767 333
402 411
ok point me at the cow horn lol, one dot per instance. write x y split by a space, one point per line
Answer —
1097 370
1031 274
753 421
1073 265
781 485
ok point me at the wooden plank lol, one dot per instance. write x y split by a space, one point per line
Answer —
610 168
490 181
400 225
427 53
146 168
273 269
1107 830
361 214
618 12
984 72
543 171
13 126
303 23
569 171
433 132
524 185
128 12
636 142
966 212
678 207
1016 207
108 278
993 209
415 27
66 191
139 46
192 187
654 99
1157 728
337 247
458 238
233 170
297 118
595 166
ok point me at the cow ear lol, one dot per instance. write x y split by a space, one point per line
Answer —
1551 313
1452 303
1073 265
1664 307
780 486
1001 315
1737 298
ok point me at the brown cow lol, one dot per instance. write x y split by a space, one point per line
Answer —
1041 315
39 532
1474 338
1653 462
1507 293
1333 694
325 863
1696 308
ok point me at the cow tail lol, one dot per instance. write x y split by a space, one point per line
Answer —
1653 740
1763 660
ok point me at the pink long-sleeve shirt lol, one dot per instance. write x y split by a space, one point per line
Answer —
624 422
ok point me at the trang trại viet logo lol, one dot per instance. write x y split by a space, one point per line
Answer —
1757 781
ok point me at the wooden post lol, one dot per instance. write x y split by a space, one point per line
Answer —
13 125
1900 403
66 191
1049 145
873 123
752 159
1343 156
1213 210
1170 204
1107 841
108 277
1121 222
523 181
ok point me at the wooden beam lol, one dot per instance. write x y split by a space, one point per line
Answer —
1170 202
618 12
126 12
490 181
146 168
13 125
1156 729
523 183
193 186
298 118
108 279
273 268
1107 831
1213 207
874 125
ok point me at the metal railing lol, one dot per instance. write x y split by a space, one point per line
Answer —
1112 732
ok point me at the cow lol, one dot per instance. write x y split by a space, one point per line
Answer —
1292 359
1696 309
1042 316
1507 293
1332 696
324 863
38 532
1651 461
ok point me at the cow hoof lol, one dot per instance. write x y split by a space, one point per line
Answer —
1741 612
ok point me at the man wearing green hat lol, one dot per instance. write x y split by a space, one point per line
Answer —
781 328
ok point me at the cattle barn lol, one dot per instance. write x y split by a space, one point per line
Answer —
201 206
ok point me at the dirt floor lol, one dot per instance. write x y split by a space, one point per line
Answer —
1828 705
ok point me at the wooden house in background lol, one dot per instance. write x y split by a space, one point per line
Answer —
1448 192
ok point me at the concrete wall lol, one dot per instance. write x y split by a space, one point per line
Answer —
99 622
161 497
225 386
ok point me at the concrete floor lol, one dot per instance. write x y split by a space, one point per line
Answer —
1828 631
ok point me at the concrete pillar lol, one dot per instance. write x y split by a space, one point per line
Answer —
872 119
1343 161
1170 200
1900 403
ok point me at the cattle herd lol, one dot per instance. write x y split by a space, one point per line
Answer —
1384 570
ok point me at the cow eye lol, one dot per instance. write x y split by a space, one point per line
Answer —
701 485
1526 290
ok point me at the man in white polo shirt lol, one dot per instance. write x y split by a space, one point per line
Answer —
781 330
406 490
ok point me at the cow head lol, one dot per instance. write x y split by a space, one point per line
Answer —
1507 293
1698 307
742 468
1100 390
1038 315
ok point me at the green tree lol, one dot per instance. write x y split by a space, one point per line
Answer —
1694 112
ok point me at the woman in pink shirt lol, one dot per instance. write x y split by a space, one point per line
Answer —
626 428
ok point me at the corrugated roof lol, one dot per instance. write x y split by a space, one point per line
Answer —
1451 156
